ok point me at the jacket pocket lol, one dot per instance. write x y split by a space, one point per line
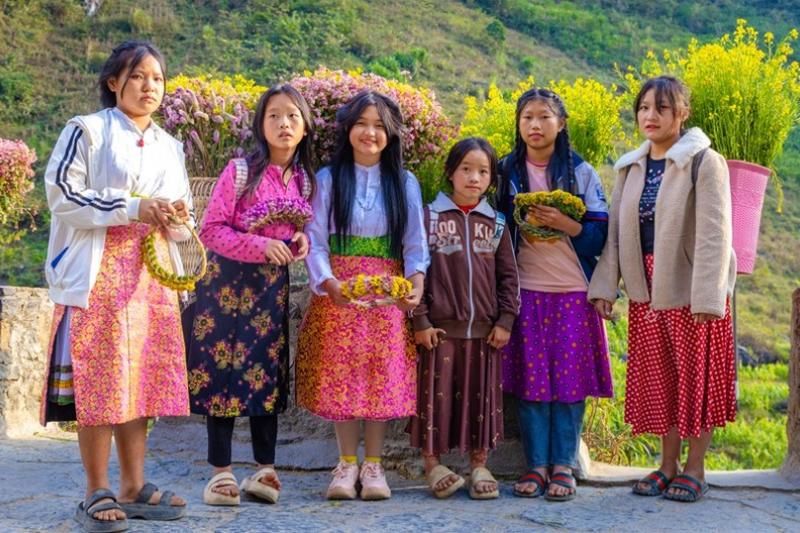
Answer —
57 258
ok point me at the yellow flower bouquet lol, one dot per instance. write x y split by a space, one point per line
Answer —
162 275
373 291
532 230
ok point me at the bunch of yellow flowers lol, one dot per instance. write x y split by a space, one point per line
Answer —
161 274
567 203
389 288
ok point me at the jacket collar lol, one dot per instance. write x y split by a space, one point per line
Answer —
681 153
443 203
131 125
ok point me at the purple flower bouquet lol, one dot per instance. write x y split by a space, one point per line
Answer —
295 211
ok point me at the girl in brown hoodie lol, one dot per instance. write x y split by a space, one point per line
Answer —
467 311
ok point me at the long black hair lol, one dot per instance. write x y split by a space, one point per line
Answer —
126 56
460 150
391 166
258 159
561 168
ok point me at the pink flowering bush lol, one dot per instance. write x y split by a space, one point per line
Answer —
426 131
213 118
16 173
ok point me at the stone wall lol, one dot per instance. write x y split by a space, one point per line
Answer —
791 466
25 315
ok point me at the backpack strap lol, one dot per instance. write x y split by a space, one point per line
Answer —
306 187
499 226
697 160
241 176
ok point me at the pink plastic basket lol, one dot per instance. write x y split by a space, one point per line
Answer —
748 183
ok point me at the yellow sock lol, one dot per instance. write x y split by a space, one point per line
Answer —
376 460
351 459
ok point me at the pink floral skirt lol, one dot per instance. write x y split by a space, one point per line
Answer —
126 347
355 363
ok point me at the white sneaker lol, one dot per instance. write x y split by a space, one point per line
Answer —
343 485
373 482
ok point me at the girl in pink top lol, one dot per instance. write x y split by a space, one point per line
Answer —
239 351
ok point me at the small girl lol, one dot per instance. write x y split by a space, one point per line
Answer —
558 353
470 302
117 354
356 363
239 350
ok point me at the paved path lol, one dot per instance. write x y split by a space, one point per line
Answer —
43 481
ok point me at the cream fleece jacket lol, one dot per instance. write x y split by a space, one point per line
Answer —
694 260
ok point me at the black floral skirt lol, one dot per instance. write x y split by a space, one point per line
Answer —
238 356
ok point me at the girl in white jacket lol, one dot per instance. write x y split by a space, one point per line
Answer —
117 353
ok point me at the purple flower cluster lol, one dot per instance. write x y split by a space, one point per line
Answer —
296 211
426 131
213 128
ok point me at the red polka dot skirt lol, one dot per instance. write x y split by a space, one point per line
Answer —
680 373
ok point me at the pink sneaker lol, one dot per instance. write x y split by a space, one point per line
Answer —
373 482
343 485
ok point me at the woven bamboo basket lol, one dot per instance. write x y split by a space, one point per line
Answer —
201 192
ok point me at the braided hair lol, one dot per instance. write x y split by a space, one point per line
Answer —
561 168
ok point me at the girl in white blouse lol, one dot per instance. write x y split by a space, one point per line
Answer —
356 363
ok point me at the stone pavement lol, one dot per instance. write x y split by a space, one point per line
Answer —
43 481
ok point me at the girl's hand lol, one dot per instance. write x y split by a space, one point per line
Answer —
701 318
411 301
181 210
429 338
334 290
415 296
302 245
604 309
155 212
277 252
555 219
498 337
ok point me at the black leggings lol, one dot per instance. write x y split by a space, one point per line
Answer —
263 432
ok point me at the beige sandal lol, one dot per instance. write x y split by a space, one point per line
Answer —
438 473
223 479
252 486
479 475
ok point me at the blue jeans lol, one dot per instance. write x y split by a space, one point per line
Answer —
551 432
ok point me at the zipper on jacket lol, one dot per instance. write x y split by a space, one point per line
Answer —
578 260
468 251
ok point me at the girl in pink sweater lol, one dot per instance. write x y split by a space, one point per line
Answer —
239 351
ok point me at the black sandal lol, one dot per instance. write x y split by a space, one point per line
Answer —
656 481
694 487
534 478
562 479
163 510
84 514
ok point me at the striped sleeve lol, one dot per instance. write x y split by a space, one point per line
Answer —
68 194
